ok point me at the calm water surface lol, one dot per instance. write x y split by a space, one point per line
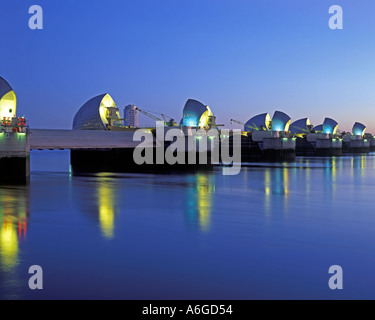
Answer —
271 232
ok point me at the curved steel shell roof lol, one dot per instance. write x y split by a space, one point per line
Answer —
8 100
280 121
195 114
358 129
318 129
4 87
330 126
301 126
259 122
93 114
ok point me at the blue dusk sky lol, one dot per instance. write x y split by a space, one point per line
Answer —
240 57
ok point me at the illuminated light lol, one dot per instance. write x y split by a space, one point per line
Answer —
107 102
8 105
196 114
329 126
203 122
333 140
8 246
97 114
358 129
280 121
286 129
285 139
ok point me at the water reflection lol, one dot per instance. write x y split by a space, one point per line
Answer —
14 212
276 186
107 208
102 203
279 180
330 175
199 200
358 164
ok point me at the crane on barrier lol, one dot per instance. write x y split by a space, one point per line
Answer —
170 123
243 124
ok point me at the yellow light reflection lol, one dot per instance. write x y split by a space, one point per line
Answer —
286 181
363 165
286 188
334 173
13 225
204 201
307 173
8 246
267 190
106 209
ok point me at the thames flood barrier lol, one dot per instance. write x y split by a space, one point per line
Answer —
321 140
266 139
358 141
102 141
101 114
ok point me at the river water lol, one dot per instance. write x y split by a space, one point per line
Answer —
270 232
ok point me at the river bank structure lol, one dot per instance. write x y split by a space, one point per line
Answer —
14 139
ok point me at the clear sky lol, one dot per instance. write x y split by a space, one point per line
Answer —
240 57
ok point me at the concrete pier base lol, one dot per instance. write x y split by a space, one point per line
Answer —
304 147
328 147
283 149
121 161
372 144
267 148
357 146
14 158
